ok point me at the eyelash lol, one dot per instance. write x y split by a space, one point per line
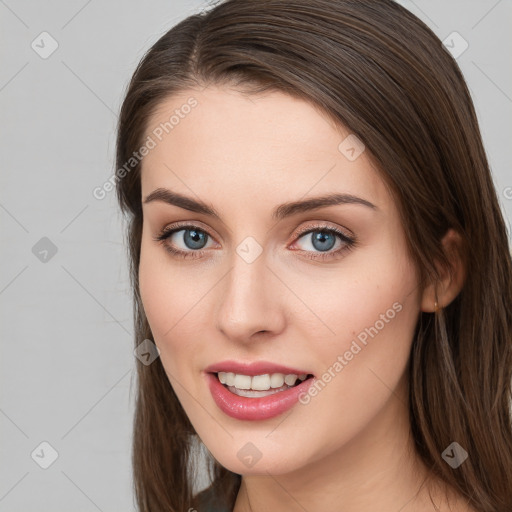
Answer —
350 242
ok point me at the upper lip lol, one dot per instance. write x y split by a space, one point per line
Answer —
255 368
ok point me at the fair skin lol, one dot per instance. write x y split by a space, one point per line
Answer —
245 155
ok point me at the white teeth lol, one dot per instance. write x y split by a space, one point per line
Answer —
259 382
276 380
242 381
290 379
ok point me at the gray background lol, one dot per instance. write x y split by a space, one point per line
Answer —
66 328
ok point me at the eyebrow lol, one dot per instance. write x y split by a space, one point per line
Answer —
282 211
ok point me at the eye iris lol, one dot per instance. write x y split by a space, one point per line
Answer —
320 237
193 237
196 239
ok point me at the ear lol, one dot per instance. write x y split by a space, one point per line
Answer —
452 279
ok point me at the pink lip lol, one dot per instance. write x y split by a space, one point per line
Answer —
257 368
243 408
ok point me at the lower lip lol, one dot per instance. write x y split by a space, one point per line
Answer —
243 408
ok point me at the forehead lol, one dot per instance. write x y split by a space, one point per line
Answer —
237 146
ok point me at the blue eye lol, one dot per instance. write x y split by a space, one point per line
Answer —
192 238
322 239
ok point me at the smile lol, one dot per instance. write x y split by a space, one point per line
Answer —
259 385
248 392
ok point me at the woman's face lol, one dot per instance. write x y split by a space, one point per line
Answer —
267 281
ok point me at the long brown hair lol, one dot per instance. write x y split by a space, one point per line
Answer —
375 68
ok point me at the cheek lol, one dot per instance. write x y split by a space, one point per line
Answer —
156 291
375 296
363 328
169 301
361 348
168 298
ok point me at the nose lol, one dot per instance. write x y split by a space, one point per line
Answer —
250 302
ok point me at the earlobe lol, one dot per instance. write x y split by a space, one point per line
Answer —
438 295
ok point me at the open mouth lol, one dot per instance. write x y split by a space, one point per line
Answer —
259 386
259 396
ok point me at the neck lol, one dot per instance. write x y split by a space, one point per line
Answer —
379 469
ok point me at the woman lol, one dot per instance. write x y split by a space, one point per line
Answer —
318 252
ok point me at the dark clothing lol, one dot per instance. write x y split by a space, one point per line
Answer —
208 503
